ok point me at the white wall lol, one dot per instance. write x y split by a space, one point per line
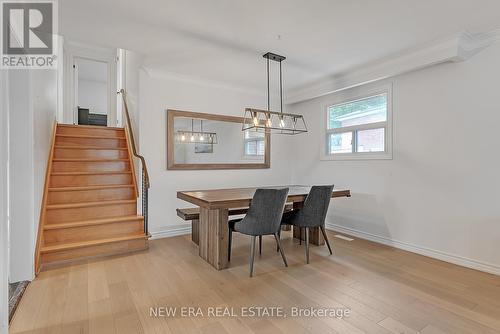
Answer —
32 106
439 194
158 94
93 95
4 254
21 225
133 63
44 97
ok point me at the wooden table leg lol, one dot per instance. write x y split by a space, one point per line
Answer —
298 205
195 232
286 227
315 235
213 237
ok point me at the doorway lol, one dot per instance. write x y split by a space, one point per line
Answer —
91 84
91 92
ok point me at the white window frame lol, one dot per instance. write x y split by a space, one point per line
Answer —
351 96
253 156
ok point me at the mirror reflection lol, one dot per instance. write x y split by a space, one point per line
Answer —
211 141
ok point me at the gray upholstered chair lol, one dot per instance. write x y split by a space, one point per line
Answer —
312 214
263 218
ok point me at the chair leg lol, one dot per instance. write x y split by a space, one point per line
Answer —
229 245
276 236
326 238
307 244
300 235
279 238
260 244
252 254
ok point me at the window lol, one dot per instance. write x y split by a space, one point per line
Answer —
254 143
359 128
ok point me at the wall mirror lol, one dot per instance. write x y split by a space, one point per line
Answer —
209 141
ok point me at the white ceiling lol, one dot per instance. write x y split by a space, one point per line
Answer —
223 40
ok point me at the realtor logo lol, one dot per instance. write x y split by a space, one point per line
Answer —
28 34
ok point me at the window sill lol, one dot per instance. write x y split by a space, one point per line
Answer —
357 156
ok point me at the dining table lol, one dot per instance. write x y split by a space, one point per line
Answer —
215 204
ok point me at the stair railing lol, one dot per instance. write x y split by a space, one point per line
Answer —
144 169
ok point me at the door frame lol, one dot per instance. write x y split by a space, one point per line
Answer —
74 51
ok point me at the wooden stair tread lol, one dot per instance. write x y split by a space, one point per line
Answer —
73 245
87 160
94 187
88 136
93 173
92 222
90 127
88 204
78 147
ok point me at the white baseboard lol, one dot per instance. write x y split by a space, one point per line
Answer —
171 231
451 258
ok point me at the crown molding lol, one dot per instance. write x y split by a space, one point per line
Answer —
471 44
456 49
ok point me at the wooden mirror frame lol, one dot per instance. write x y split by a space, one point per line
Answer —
171 165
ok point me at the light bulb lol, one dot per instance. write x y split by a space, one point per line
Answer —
192 138
269 122
201 138
282 123
183 138
255 121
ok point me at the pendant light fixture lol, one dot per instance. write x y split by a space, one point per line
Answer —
271 121
197 137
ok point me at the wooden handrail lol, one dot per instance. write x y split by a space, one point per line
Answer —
132 139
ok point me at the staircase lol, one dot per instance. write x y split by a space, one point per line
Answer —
90 200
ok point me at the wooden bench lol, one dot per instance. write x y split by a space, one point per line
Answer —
193 214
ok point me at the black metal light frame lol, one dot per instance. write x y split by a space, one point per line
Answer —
265 120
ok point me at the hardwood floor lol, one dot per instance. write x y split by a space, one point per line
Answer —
387 291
